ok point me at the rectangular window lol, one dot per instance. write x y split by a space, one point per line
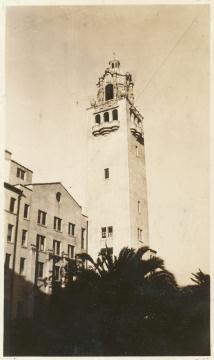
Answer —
56 273
24 237
71 251
57 223
41 219
139 234
7 260
39 269
22 266
139 207
40 242
56 247
12 204
82 238
110 231
106 173
20 173
26 211
137 150
10 232
71 229
103 230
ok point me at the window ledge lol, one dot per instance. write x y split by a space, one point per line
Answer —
59 231
26 218
10 242
45 226
10 212
24 247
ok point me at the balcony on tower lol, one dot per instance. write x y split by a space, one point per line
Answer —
136 124
106 122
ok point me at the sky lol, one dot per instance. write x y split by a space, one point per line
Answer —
54 57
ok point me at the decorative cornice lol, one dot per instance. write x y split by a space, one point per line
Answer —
105 127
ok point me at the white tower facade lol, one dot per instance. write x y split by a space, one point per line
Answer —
117 194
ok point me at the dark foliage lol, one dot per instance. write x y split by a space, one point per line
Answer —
128 305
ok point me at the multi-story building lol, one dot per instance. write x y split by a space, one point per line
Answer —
44 229
117 192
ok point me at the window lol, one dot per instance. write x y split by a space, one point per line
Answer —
20 173
103 251
137 150
106 117
41 219
115 114
7 260
107 232
110 231
71 251
26 211
139 234
40 242
12 204
103 230
71 229
82 238
106 173
58 196
97 119
56 272
39 269
24 237
139 207
57 223
10 232
56 247
109 94
22 266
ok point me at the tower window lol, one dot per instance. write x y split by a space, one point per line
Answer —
139 234
139 207
106 173
106 117
112 65
97 119
109 94
115 114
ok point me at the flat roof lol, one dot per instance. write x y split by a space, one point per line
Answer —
21 165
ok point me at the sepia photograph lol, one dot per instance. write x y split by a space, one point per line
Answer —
106 180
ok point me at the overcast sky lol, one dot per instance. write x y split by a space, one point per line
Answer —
54 56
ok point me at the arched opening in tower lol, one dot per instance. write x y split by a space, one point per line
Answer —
106 117
109 92
115 114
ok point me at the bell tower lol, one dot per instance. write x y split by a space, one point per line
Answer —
117 194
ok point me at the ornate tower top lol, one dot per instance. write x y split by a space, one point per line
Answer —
114 85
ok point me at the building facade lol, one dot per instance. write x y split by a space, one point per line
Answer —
44 230
117 192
